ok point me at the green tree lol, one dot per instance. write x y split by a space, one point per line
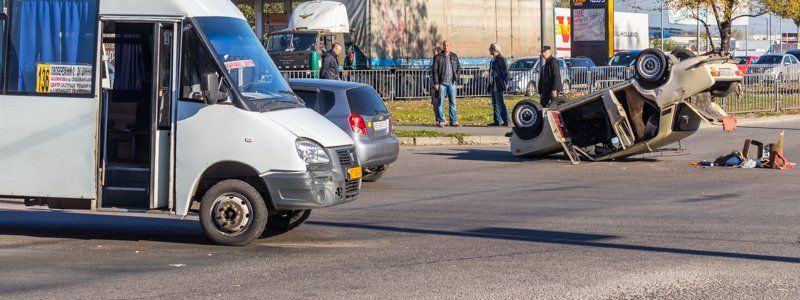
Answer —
249 13
787 9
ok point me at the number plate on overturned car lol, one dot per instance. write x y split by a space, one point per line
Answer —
354 173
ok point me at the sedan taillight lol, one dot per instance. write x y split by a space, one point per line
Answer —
357 124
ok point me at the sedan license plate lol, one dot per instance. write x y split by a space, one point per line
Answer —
380 125
355 173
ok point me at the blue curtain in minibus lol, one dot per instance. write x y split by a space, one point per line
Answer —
49 32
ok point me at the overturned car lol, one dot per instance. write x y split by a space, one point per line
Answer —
670 95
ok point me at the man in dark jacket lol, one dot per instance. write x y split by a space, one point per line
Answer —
498 81
330 63
549 77
446 70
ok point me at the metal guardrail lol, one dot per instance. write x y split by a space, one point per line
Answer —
765 88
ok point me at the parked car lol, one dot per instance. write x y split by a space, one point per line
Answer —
523 77
580 70
795 53
774 67
663 104
745 62
625 58
360 112
520 75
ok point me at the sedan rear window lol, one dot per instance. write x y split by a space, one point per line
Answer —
365 101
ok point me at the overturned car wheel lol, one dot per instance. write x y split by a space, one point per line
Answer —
528 121
683 54
651 68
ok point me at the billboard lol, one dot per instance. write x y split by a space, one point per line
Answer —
630 31
592 23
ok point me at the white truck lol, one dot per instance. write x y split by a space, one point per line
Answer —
155 105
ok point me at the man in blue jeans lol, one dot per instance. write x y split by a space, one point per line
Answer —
446 70
498 80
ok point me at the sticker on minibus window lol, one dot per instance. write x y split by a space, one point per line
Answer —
238 64
63 79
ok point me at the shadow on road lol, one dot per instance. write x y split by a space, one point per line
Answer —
478 155
61 224
560 238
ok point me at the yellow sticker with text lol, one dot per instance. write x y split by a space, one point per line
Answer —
43 78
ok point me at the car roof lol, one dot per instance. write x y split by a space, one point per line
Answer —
326 83
629 52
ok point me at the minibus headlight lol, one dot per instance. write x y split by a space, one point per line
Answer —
311 152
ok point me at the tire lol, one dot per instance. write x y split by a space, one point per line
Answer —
683 54
530 90
233 213
374 175
528 120
286 221
651 68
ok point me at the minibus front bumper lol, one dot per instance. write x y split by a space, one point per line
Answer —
316 188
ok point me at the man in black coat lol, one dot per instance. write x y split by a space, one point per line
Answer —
498 81
549 77
446 72
330 63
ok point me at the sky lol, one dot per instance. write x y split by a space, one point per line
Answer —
757 25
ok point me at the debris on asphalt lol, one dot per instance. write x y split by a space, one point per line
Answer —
177 265
768 156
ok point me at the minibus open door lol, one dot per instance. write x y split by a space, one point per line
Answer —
166 93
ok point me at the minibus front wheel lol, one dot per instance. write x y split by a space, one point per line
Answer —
233 213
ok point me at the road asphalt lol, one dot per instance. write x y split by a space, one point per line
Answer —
453 223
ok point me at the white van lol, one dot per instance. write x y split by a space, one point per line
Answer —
153 105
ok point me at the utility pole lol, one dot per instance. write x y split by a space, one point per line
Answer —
698 27
780 33
662 25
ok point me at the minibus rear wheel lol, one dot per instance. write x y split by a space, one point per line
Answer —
233 213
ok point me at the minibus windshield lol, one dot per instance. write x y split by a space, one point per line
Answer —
252 71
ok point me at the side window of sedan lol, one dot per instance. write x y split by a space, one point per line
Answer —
326 101
309 97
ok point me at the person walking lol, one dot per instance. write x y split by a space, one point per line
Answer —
446 70
330 63
433 91
549 77
498 81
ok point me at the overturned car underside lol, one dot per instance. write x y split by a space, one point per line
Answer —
665 103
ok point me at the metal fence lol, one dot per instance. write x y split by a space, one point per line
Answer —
765 88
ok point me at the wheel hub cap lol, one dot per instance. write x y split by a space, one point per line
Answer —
527 116
231 213
650 66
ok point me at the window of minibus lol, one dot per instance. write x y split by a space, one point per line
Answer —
51 47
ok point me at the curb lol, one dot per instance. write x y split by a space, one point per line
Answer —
757 121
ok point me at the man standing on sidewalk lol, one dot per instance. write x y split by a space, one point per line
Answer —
549 77
433 91
446 70
498 80
330 63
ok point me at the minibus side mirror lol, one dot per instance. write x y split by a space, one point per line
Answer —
210 86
